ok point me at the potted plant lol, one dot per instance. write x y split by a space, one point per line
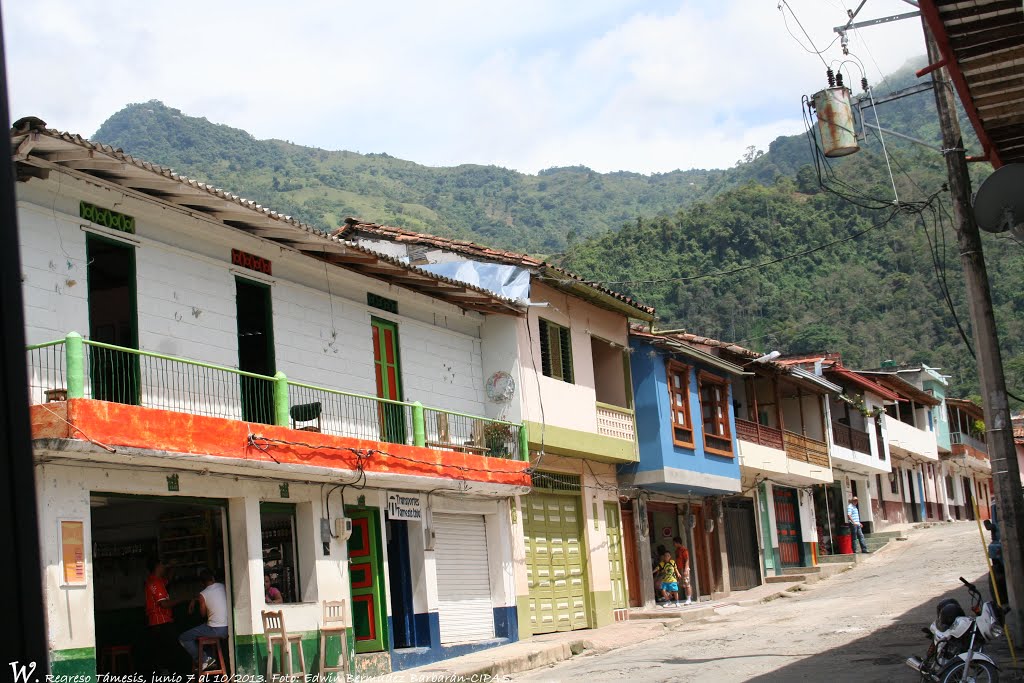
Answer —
497 437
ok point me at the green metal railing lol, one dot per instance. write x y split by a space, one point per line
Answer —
74 367
451 430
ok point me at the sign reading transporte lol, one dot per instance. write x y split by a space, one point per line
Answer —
72 551
403 505
251 261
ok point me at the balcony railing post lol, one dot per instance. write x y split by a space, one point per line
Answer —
419 425
524 443
74 362
281 418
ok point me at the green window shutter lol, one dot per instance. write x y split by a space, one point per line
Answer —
565 346
545 348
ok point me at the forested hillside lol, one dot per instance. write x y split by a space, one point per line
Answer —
666 237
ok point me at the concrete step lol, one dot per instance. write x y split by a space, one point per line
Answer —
801 570
886 534
786 578
835 559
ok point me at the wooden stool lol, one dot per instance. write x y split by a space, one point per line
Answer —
56 395
113 655
334 625
197 666
276 634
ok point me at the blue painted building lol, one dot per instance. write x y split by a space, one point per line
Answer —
686 434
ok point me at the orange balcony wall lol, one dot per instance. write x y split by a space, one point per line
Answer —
127 426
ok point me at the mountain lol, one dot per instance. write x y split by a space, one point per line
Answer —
535 213
875 297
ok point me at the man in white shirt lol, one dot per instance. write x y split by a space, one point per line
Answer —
853 514
213 604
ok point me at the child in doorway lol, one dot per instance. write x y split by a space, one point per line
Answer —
669 573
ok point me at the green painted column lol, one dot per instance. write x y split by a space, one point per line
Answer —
419 425
524 443
74 363
281 417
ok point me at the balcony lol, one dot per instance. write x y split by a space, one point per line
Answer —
959 438
910 439
73 368
759 434
853 439
805 449
972 451
615 422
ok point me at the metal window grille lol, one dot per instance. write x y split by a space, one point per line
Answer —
553 481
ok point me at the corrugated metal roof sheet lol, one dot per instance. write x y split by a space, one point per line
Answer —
552 274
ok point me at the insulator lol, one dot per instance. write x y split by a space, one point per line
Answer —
831 77
864 84
839 80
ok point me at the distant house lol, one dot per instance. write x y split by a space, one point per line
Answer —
688 462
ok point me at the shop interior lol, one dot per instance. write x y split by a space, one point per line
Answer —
830 514
663 526
187 536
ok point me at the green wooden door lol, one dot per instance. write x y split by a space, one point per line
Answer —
555 568
388 374
366 578
616 563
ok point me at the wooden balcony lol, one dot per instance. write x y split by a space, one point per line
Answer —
753 432
805 449
848 437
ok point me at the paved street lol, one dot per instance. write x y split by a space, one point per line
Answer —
857 626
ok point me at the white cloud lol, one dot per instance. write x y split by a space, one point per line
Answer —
612 84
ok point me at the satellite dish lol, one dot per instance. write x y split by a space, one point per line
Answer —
999 202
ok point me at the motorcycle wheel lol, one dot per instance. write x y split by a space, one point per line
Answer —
980 672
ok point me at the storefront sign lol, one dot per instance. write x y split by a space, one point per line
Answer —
405 506
72 551
251 261
106 217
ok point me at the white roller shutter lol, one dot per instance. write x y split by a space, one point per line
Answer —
465 611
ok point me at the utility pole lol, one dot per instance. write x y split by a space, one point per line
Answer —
21 573
1005 472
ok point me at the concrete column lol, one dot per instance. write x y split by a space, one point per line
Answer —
643 550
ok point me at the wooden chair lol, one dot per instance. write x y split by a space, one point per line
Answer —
276 634
221 669
334 625
306 412
116 659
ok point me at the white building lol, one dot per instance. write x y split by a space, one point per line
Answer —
240 384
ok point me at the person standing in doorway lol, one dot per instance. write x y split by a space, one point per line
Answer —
159 618
213 604
853 515
683 563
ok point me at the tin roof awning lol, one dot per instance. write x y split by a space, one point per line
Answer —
982 46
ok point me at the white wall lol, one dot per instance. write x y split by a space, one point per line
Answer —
561 404
186 300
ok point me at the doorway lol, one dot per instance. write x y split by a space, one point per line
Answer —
129 532
388 372
968 499
915 510
366 579
403 615
616 565
113 319
636 598
787 523
741 544
255 349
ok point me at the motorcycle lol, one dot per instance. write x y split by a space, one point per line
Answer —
958 641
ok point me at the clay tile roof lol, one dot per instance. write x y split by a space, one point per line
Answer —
40 148
555 275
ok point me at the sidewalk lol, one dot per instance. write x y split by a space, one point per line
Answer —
544 650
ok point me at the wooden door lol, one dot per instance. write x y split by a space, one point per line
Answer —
388 375
787 523
555 568
636 598
616 564
369 612
700 555
741 545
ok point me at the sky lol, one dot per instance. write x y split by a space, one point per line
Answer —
525 84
